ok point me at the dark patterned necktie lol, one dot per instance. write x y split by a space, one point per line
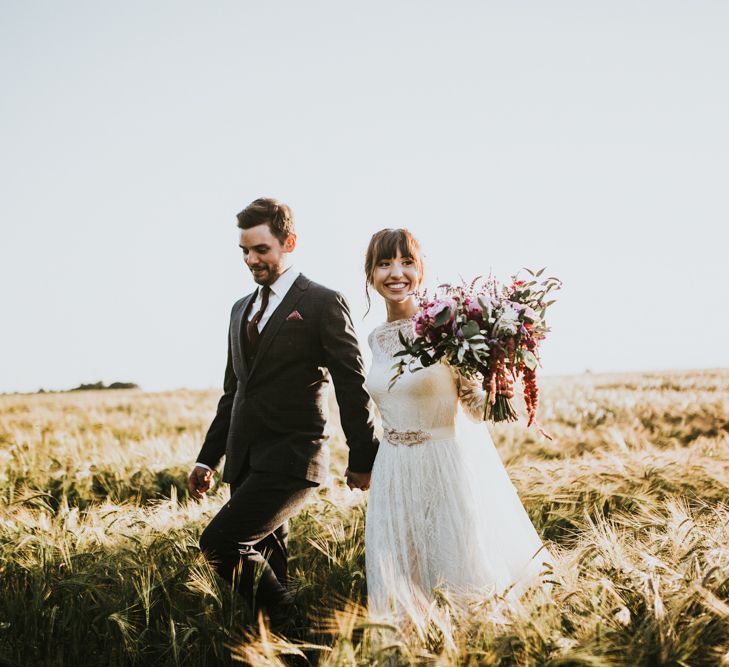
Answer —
252 326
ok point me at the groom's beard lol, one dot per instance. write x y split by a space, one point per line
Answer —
267 275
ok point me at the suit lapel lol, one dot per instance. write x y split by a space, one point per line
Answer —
238 324
278 317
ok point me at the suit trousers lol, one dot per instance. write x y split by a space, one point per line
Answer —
250 533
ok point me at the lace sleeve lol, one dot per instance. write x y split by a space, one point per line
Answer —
471 395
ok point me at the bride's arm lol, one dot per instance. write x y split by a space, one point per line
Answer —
471 395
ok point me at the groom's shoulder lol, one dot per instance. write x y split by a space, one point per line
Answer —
239 303
319 291
313 286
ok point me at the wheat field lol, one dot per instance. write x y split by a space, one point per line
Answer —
99 562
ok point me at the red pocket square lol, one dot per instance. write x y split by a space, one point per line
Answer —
296 315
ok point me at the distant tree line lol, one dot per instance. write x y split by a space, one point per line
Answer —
101 385
95 386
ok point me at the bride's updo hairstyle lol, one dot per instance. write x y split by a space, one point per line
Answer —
384 245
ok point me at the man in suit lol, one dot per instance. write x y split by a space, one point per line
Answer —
285 340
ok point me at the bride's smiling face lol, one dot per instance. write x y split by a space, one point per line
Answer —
396 278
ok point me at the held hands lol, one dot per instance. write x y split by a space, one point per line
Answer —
199 481
358 480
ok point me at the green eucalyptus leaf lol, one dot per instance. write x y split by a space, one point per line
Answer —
443 317
530 361
471 329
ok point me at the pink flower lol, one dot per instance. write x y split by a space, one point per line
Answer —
424 321
434 308
472 309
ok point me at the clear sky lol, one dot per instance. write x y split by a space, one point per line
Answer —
590 137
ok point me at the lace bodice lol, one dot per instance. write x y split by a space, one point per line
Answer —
421 399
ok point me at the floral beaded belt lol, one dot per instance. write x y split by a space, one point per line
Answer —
411 438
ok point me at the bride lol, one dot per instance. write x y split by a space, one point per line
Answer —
442 511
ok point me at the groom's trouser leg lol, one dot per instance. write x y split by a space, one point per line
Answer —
274 546
249 533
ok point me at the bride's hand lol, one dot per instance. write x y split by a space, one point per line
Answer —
358 480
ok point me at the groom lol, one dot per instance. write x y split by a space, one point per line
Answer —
284 341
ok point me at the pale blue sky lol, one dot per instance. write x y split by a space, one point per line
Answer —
590 137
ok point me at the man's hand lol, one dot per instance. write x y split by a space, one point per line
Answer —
358 480
199 481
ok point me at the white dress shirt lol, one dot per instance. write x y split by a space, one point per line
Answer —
279 289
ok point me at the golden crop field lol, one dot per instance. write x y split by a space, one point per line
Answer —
99 561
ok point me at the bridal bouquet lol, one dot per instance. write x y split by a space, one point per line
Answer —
485 330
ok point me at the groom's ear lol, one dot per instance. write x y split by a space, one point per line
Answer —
290 243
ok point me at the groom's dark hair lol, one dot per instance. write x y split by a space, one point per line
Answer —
267 211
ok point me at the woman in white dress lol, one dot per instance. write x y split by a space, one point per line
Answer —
442 511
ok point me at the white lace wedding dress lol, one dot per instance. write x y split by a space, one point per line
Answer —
442 511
